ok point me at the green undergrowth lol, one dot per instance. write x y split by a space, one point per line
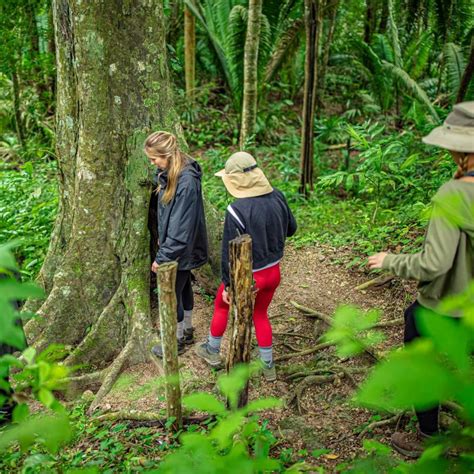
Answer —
28 206
381 201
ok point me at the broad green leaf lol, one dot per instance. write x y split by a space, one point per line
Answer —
395 383
51 431
21 413
204 402
7 260
45 396
11 290
262 404
225 429
450 337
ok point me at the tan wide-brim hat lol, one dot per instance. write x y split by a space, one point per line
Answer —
457 131
243 178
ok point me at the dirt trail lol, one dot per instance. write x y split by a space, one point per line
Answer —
325 418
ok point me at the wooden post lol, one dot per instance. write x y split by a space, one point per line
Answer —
242 295
189 53
166 281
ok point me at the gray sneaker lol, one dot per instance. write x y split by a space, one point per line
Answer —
269 372
157 350
212 358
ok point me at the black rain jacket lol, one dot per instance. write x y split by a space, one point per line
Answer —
267 219
181 223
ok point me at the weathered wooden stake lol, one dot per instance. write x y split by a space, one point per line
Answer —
242 295
166 281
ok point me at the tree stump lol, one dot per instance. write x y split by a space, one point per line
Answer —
242 302
166 281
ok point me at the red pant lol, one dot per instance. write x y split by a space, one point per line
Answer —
267 282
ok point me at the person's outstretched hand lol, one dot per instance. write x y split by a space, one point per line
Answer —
376 261
225 297
154 267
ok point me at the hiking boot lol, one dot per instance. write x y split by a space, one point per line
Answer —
409 444
157 350
269 371
204 352
189 336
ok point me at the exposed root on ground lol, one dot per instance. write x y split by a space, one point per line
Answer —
312 313
304 352
393 420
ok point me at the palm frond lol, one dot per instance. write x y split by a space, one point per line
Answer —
455 64
410 86
282 46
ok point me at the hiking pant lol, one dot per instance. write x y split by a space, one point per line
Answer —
427 419
266 281
184 293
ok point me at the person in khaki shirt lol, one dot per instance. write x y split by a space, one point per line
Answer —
445 265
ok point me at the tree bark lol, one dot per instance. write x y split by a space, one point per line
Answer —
166 279
467 75
113 89
190 53
250 95
241 290
312 22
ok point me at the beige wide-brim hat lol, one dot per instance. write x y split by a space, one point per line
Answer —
457 131
243 178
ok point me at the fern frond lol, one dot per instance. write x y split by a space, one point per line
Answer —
382 48
455 64
417 54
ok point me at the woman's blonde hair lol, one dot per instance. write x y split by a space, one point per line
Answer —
165 145
463 160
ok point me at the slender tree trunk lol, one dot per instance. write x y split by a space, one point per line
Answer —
312 22
467 75
52 51
332 8
370 20
113 89
249 104
241 284
20 130
166 278
189 53
384 17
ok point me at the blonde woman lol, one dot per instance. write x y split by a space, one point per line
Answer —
445 266
182 233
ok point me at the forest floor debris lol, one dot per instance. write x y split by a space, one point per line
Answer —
316 385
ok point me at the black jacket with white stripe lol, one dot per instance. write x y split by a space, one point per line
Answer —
267 219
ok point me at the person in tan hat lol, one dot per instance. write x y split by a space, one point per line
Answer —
262 212
445 266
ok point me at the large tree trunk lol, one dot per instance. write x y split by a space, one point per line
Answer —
113 89
189 52
312 22
250 96
467 75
